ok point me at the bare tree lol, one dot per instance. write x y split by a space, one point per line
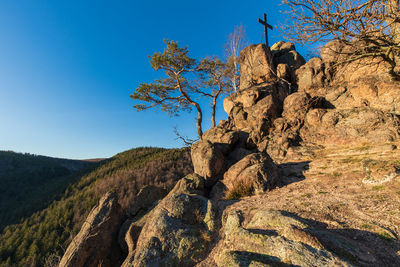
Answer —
236 42
368 28
215 75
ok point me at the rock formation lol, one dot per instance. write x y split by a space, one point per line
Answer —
288 116
96 243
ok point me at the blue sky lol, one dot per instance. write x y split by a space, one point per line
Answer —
67 69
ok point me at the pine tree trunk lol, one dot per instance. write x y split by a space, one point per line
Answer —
214 104
199 121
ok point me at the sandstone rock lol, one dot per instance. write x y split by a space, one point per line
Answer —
258 117
255 66
272 238
285 53
282 47
332 52
312 75
283 72
179 230
131 230
96 242
246 98
357 126
224 138
295 107
337 53
292 59
208 160
190 184
256 171
376 93
238 154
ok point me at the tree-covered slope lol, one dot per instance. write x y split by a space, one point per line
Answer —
42 237
28 183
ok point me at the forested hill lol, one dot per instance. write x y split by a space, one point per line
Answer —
29 183
40 239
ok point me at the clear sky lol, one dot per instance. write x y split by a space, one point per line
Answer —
67 69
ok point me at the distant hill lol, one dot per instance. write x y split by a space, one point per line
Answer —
28 183
38 239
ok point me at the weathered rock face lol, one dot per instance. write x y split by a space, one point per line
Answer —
179 229
256 171
256 66
256 114
208 160
279 238
285 53
313 74
358 126
353 71
96 243
223 138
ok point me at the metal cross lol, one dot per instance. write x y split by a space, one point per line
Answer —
266 27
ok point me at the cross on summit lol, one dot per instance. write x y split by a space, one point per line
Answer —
266 27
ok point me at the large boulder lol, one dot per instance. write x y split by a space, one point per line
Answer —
256 66
224 138
258 113
246 98
96 243
285 53
295 107
312 75
208 160
279 238
337 53
254 173
179 230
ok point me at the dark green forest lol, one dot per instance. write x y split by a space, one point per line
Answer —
28 183
38 239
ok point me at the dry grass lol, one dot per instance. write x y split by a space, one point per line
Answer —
239 190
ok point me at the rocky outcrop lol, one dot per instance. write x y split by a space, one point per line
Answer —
256 171
286 113
256 66
285 53
279 238
96 243
208 160
179 229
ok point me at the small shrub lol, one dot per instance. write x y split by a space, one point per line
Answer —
239 190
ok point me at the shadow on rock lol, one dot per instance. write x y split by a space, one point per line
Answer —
359 247
292 172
